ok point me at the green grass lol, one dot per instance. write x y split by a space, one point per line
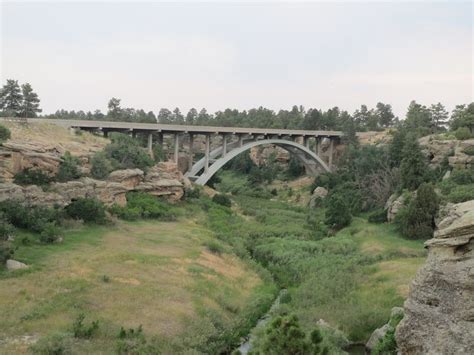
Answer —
156 274
351 280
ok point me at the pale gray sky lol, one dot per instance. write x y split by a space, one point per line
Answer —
77 55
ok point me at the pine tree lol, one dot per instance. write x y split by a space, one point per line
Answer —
439 116
10 98
338 214
413 166
30 103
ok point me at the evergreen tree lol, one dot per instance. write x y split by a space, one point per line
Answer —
413 166
384 114
439 116
463 116
11 98
338 214
395 150
30 103
418 118
418 220
114 110
191 116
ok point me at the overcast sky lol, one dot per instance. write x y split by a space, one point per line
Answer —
240 55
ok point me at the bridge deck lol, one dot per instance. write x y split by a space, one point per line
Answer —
168 128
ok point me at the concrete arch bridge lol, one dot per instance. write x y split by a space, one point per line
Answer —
232 142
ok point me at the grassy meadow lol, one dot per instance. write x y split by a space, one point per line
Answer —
160 275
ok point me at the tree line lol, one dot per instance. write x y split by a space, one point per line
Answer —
16 101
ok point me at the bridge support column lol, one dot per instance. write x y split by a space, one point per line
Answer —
160 140
191 152
206 154
150 144
241 140
318 146
331 151
306 141
134 134
176 147
224 145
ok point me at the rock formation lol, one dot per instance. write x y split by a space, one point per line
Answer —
319 194
439 312
393 205
164 179
436 150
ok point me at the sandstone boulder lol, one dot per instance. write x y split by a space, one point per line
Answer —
319 194
129 178
439 312
15 265
379 333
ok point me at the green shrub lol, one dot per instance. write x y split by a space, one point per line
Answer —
463 133
55 344
222 200
417 220
88 210
6 229
6 252
133 341
101 166
32 177
143 205
32 218
50 233
80 330
194 192
461 193
338 214
5 133
378 216
69 168
469 150
462 176
126 153
214 247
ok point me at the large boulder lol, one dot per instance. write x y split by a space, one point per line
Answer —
129 178
437 149
379 333
439 311
15 265
319 194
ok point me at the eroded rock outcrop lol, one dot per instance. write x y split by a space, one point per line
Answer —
439 312
436 150
164 179
393 206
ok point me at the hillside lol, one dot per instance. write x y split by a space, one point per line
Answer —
158 275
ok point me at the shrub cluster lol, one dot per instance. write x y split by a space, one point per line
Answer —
89 210
69 168
143 205
5 133
32 176
222 200
123 152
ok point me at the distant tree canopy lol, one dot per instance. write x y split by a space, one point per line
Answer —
22 101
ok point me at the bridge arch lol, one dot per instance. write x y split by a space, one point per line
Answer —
305 155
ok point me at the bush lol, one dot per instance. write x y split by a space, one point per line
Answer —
143 205
69 168
32 218
417 220
222 200
6 229
378 216
80 330
55 344
194 192
461 193
214 247
133 341
5 133
101 166
462 176
469 150
50 233
87 209
338 214
463 133
32 177
6 252
126 153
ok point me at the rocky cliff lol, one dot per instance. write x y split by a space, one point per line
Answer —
164 179
437 149
439 312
